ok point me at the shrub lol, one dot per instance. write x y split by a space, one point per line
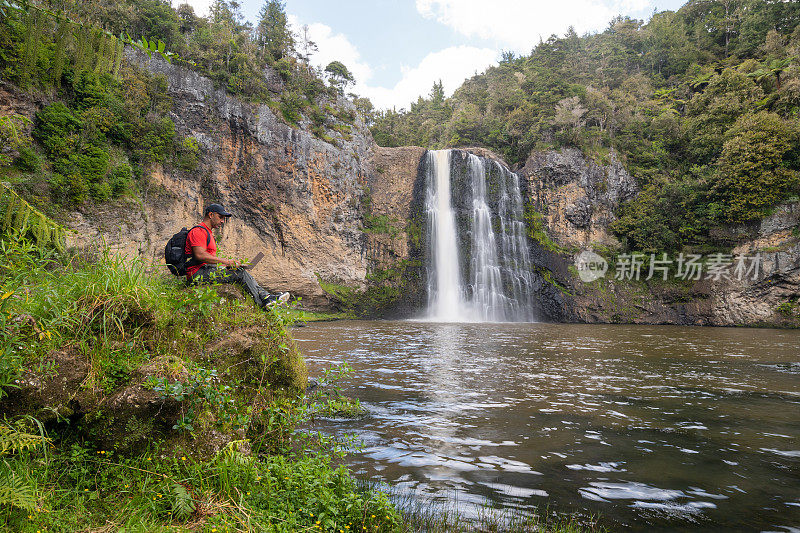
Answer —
754 170
156 141
120 180
28 159
56 128
188 154
785 308
100 191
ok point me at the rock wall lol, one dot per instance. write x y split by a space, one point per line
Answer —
294 197
577 199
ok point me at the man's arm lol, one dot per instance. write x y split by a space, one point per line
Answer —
201 254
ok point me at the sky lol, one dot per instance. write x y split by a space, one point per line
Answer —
397 49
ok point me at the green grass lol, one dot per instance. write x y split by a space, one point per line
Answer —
229 371
300 316
84 488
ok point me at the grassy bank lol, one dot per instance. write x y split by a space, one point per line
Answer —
134 403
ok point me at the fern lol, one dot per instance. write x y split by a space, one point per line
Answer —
18 215
15 491
14 438
183 506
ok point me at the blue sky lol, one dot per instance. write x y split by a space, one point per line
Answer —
397 49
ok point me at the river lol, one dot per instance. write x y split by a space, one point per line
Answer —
649 427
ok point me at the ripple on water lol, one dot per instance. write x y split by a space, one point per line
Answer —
601 467
630 490
466 413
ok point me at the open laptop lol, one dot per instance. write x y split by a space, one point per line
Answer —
253 262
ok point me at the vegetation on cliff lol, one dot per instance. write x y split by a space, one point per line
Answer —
104 120
701 105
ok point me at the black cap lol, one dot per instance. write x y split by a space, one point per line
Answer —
216 208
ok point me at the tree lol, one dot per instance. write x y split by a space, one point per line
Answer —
755 169
308 46
338 76
273 35
437 93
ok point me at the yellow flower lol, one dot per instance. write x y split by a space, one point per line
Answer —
183 459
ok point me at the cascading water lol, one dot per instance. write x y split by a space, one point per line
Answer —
488 276
444 286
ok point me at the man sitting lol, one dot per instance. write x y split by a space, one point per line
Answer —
204 265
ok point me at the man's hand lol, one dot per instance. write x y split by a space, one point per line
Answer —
230 263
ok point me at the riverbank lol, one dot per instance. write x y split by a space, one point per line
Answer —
133 402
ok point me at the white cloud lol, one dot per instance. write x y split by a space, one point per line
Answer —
519 24
333 47
451 65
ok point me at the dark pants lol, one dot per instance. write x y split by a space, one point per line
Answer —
212 274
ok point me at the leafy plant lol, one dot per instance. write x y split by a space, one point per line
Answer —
15 489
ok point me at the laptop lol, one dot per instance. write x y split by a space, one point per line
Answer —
254 261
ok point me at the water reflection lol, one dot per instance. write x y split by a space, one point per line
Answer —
654 427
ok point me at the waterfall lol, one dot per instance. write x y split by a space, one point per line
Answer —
445 300
479 270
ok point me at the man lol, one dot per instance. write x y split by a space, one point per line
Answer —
204 266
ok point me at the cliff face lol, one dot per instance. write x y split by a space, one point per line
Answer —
294 197
577 200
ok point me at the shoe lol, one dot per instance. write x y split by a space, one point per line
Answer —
276 299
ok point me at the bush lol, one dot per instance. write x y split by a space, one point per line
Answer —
291 104
100 191
755 170
28 159
56 128
156 141
120 180
188 154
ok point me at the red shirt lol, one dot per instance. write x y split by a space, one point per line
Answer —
197 237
